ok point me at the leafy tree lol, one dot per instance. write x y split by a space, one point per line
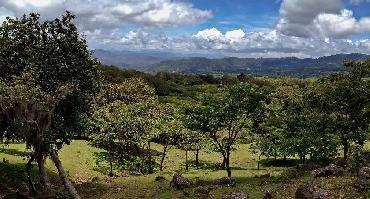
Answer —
344 100
225 115
125 119
169 131
53 55
25 115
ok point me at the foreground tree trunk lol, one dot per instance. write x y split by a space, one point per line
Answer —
67 184
29 175
44 180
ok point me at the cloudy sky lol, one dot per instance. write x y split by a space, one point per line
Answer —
242 28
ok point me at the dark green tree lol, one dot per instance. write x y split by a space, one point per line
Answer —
52 54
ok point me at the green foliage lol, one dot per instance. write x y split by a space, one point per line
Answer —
228 114
53 54
125 118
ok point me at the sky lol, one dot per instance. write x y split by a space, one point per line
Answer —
239 28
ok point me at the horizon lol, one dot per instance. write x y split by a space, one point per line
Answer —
252 29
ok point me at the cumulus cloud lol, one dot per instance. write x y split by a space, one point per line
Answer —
111 14
240 43
317 18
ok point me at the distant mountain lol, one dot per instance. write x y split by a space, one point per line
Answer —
132 59
289 66
140 59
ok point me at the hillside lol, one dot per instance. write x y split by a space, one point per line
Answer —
290 66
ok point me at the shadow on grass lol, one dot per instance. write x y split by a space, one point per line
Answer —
15 152
14 182
279 163
122 165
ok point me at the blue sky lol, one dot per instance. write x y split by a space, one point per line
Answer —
242 28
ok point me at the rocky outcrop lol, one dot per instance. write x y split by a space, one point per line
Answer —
180 182
331 170
237 195
363 180
311 192
226 181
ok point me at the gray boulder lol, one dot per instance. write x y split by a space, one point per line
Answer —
179 182
226 181
331 170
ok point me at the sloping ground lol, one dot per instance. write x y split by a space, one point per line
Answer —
91 180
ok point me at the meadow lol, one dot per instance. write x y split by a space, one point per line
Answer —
91 178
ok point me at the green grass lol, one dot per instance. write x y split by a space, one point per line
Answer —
80 163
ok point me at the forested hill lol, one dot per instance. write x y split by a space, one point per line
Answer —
290 66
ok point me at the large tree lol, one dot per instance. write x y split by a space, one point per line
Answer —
226 114
52 54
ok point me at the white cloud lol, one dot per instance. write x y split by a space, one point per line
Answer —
111 14
342 25
34 3
317 18
243 44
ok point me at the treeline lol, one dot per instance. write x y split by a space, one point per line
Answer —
281 117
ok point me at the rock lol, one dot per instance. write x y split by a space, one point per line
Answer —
180 182
226 181
202 192
364 173
331 170
160 179
237 195
269 195
311 192
363 180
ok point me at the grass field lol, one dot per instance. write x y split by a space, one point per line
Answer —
80 163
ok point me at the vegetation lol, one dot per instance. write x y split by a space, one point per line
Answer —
52 92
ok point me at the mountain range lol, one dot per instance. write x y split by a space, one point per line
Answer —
191 64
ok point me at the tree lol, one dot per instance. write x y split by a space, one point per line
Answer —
344 100
54 55
290 127
25 115
225 115
124 119
169 131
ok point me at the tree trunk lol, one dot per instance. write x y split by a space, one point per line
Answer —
29 175
44 180
110 166
223 165
228 169
345 150
67 184
163 157
186 160
150 159
197 158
